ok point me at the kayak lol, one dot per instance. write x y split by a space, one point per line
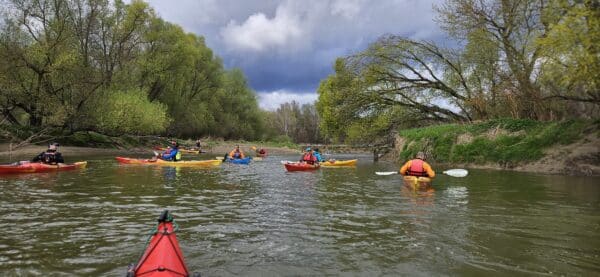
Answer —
336 163
163 256
239 161
300 166
252 158
124 160
39 167
184 151
417 183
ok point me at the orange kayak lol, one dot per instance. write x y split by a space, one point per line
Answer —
163 256
39 167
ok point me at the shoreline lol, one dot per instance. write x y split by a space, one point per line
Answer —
222 148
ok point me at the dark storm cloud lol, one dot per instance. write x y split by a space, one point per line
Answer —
286 47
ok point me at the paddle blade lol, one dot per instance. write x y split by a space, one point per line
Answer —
155 153
385 173
456 172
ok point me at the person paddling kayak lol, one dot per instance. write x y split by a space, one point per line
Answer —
309 157
236 153
417 167
317 154
172 153
50 156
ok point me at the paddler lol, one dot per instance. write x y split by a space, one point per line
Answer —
317 154
50 156
172 153
417 167
236 153
309 157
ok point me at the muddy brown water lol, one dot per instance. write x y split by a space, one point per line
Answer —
259 220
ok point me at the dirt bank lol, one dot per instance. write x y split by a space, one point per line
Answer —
580 158
219 149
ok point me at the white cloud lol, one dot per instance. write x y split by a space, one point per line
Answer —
259 33
346 8
271 100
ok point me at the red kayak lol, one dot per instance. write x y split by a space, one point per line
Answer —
162 257
38 167
300 166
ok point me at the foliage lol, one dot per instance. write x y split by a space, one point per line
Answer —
131 112
61 60
535 60
571 46
299 124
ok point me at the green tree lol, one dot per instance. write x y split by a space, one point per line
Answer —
571 47
130 112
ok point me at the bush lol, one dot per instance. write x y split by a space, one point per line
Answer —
130 112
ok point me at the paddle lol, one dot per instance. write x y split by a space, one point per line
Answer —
459 172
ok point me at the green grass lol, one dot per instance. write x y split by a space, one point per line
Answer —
519 141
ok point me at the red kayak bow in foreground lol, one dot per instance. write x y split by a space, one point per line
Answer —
162 256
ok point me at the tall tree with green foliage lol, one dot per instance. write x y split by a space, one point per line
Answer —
571 48
62 60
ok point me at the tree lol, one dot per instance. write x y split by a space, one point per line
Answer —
571 48
512 26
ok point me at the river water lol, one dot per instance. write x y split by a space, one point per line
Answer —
259 220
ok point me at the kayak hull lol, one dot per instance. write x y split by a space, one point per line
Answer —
163 256
417 183
239 161
341 163
300 167
159 162
39 167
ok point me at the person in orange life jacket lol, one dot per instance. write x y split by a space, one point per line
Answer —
236 153
172 152
308 157
50 156
417 167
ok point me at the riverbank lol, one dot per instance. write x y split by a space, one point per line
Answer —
92 143
566 147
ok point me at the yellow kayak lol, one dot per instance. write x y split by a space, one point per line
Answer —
336 163
124 160
417 183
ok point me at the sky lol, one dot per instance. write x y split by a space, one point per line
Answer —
286 47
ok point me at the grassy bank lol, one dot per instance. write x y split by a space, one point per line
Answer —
506 142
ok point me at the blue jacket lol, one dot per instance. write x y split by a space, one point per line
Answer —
171 156
318 156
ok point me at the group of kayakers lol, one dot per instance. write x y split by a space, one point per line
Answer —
415 167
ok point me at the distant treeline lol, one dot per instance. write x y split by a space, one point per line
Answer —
530 59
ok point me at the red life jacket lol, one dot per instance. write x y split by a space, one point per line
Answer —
416 169
309 158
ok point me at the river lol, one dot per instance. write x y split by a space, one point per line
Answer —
259 220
